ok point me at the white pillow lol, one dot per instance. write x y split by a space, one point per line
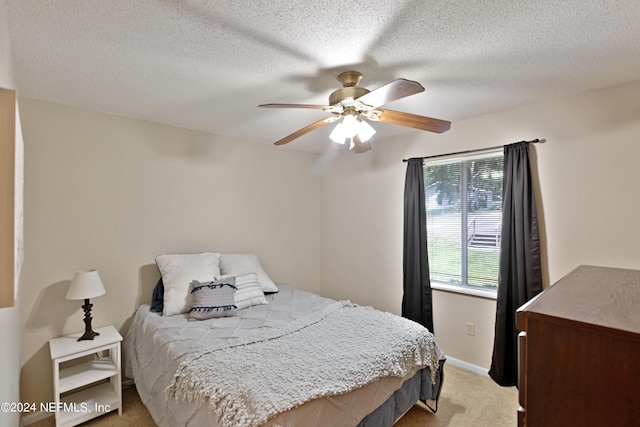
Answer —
178 270
248 290
235 264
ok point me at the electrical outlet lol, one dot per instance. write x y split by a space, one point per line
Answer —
471 328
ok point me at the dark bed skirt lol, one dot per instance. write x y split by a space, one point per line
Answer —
418 387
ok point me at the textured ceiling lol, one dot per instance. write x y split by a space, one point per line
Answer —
206 65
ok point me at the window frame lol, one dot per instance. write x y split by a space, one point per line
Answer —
477 291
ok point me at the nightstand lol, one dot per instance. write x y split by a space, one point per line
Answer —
85 389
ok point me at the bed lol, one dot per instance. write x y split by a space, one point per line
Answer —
292 359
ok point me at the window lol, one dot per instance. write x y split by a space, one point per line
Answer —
464 220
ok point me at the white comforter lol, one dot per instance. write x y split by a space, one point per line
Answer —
156 346
328 353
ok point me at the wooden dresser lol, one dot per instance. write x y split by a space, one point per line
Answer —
579 351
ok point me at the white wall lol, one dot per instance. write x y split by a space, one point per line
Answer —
588 198
10 316
112 193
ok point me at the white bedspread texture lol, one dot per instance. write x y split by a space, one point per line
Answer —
331 352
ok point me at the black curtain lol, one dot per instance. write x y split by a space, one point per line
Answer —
520 277
416 300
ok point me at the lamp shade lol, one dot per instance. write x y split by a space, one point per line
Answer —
85 284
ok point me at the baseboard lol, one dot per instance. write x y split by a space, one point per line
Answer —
34 417
468 366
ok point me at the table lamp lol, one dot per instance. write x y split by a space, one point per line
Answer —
86 284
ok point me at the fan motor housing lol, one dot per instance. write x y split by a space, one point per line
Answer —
353 92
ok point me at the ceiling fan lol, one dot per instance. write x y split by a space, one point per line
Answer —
352 104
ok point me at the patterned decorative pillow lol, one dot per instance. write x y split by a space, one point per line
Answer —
249 290
213 299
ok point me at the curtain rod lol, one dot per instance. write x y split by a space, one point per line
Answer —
470 151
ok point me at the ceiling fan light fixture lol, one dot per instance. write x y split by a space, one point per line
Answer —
349 127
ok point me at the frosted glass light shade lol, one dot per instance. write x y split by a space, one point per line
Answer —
337 135
365 131
350 125
85 284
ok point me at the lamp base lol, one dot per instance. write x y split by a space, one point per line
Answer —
89 333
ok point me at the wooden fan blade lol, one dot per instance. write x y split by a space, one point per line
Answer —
397 89
414 121
305 130
311 106
359 146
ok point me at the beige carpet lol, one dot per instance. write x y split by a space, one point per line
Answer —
467 399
